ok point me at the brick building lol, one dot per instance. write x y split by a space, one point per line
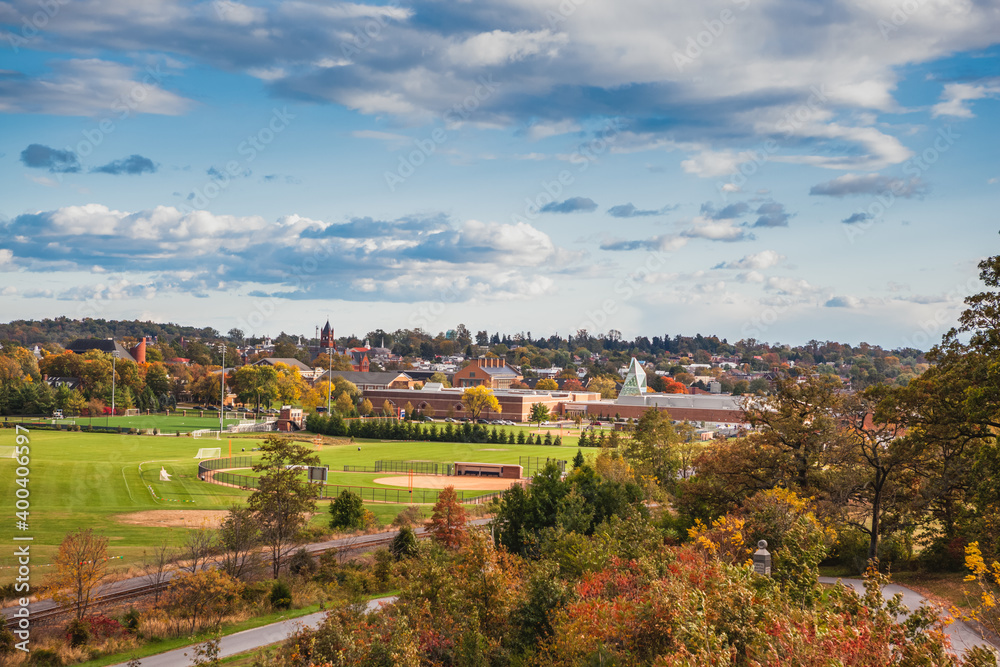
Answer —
489 371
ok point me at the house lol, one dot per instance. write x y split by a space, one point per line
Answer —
109 345
489 371
288 361
360 362
56 382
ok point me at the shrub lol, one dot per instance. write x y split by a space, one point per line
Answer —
301 563
404 545
7 641
45 657
408 517
78 632
130 620
281 595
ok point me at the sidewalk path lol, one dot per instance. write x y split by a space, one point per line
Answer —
246 640
961 633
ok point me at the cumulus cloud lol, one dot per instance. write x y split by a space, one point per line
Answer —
855 218
843 302
756 261
499 47
717 230
293 257
132 165
772 214
89 87
662 243
571 205
870 184
630 211
956 96
56 161
728 212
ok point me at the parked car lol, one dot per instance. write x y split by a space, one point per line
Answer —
427 419
451 420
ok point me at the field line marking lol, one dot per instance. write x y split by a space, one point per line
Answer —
126 485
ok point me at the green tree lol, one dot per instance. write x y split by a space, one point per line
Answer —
347 511
652 448
404 544
284 496
539 413
578 460
258 382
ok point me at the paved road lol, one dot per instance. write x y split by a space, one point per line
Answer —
247 640
962 635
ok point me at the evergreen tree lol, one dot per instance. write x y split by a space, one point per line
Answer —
578 460
520 437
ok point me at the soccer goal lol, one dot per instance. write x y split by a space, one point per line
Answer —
132 412
8 452
209 453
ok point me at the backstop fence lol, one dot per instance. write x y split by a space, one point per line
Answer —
328 491
531 465
219 464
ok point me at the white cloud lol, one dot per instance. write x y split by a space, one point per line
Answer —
90 88
716 230
956 95
499 47
756 261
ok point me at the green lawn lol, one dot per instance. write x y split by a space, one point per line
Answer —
89 480
167 424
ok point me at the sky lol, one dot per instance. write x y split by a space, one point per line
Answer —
766 169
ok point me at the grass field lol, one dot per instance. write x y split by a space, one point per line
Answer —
166 424
93 479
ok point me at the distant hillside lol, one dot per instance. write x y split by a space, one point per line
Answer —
62 330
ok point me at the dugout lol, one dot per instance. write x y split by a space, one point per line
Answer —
504 470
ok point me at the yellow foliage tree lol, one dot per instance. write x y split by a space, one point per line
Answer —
81 564
479 399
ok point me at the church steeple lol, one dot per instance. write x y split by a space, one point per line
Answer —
326 339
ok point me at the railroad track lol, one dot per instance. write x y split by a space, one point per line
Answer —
150 589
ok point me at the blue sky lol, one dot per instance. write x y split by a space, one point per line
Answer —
753 169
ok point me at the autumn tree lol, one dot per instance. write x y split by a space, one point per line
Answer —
239 540
206 596
80 565
284 497
447 523
547 385
365 408
652 448
479 399
799 421
605 385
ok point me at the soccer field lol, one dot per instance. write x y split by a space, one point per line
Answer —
111 483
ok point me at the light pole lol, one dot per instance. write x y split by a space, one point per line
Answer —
114 358
222 390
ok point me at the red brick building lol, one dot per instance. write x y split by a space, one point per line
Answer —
489 371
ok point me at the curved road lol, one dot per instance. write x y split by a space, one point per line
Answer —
961 633
247 640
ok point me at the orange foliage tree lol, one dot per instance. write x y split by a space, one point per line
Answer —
447 525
